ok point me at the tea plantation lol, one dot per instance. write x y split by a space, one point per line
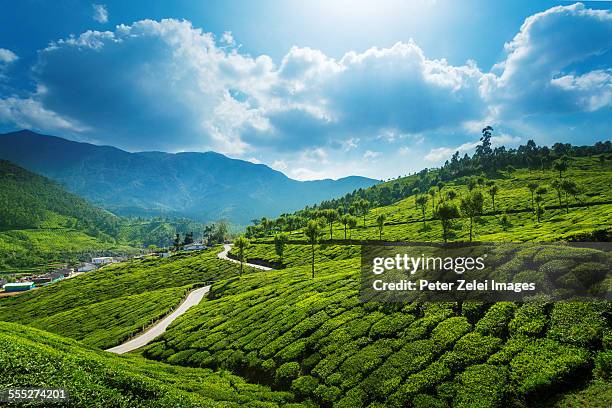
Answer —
105 307
315 338
92 378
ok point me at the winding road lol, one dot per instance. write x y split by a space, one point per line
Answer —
194 297
226 249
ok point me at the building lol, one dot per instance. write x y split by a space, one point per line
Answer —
63 273
2 282
103 260
86 267
196 246
18 286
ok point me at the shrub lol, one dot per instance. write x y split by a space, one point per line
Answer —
449 331
390 325
481 386
546 364
577 323
603 365
327 394
304 386
287 372
529 320
472 348
427 401
495 321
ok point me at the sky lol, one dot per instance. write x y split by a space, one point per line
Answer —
317 89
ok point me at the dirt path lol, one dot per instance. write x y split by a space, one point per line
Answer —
194 297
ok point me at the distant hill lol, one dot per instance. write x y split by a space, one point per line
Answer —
203 186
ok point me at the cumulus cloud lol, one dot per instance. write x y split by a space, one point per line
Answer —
7 56
167 85
537 75
100 13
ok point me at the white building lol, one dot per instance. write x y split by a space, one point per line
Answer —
196 246
103 260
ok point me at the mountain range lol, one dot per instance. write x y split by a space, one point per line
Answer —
203 186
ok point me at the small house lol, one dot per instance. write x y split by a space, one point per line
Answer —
196 246
102 260
18 286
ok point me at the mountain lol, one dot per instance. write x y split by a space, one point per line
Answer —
203 186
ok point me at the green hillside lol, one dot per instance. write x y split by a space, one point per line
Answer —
41 222
104 307
30 357
315 337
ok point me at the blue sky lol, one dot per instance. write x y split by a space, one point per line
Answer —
315 89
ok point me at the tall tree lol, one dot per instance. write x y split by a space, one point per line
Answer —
280 240
344 220
364 205
447 212
177 242
539 199
352 223
432 194
330 216
380 222
532 186
241 243
561 165
493 190
312 232
557 185
416 192
471 206
422 203
571 189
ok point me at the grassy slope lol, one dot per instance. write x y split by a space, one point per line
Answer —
404 220
315 337
29 357
104 307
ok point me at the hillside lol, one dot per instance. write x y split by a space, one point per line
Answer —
105 307
40 221
94 378
202 186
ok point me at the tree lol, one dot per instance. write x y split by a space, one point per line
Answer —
561 165
539 199
422 203
471 207
493 190
432 194
570 188
416 192
532 186
177 242
447 211
557 185
380 222
313 229
363 206
344 220
242 244
451 194
330 216
280 240
352 223
188 238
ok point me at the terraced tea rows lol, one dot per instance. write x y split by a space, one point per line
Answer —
315 337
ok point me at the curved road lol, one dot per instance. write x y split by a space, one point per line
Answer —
194 297
226 249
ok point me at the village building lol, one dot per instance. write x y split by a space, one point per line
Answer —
18 286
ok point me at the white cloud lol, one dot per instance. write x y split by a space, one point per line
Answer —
280 165
31 114
537 73
350 144
7 56
369 154
254 160
228 39
100 13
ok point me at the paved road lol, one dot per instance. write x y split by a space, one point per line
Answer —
194 297
226 249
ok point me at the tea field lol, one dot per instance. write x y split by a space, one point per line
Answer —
93 378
